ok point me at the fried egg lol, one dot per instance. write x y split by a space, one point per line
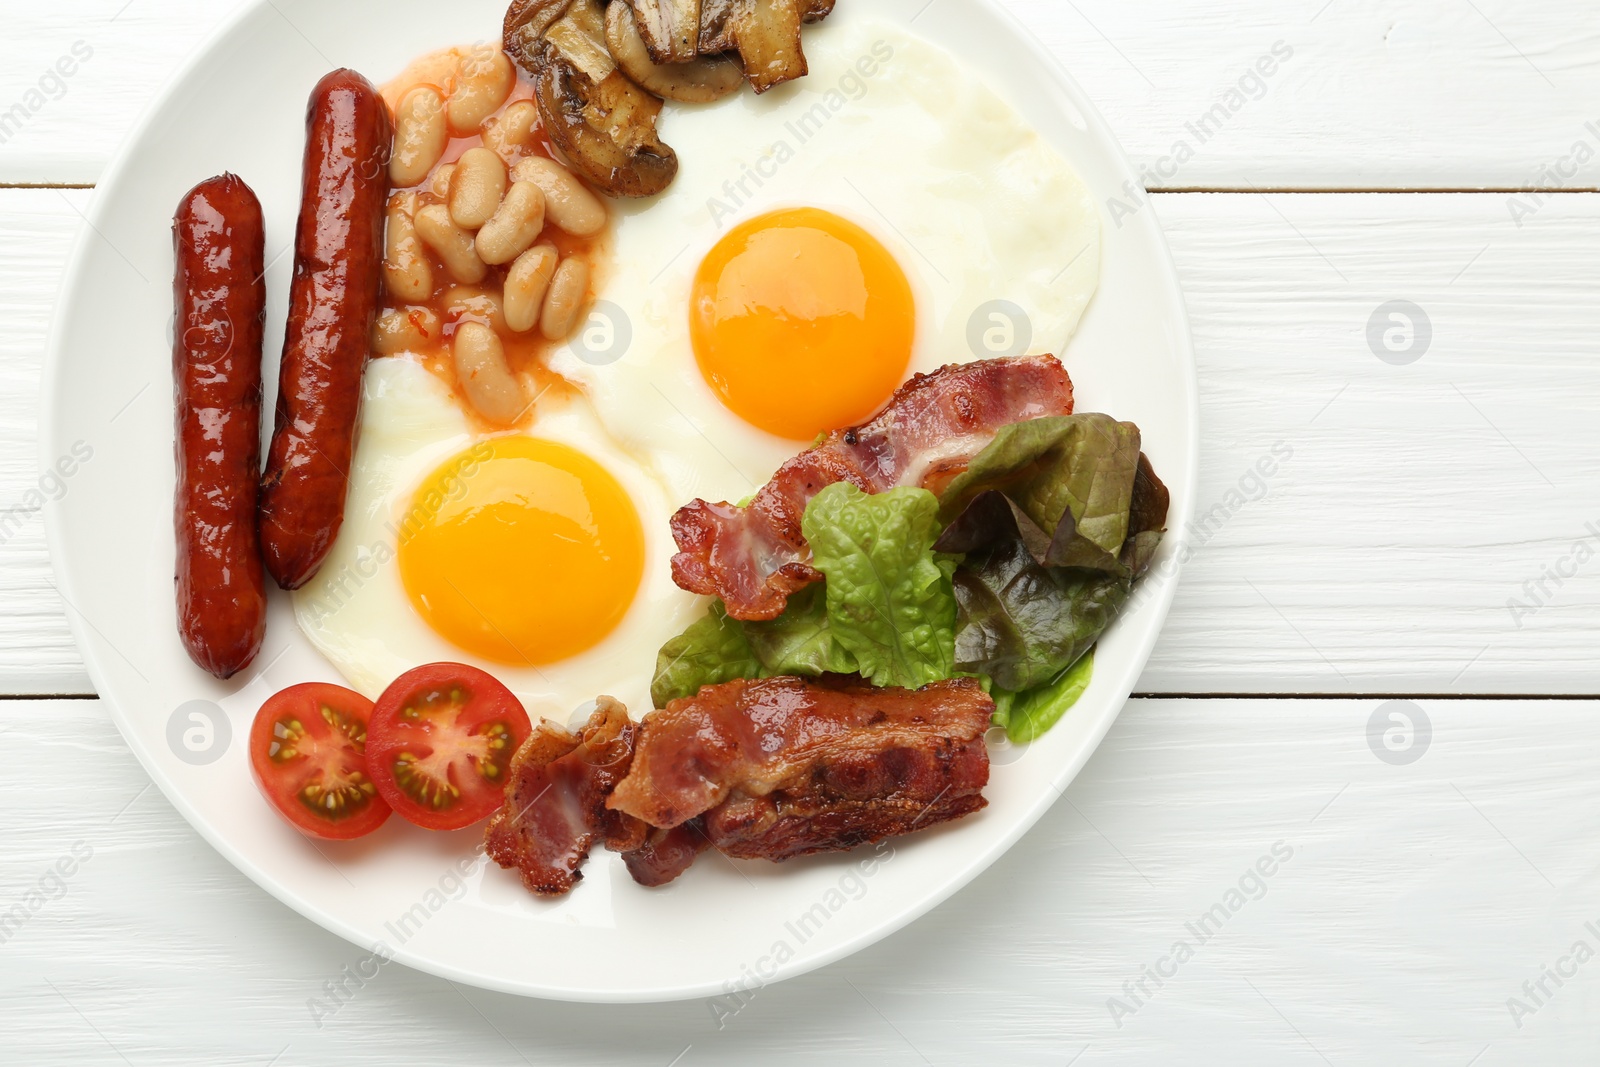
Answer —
541 555
885 215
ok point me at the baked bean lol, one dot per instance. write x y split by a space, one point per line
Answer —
453 244
406 330
420 136
526 283
569 205
469 303
476 188
441 181
482 371
483 81
514 227
512 130
406 269
569 289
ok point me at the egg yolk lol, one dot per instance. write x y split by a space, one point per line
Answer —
521 551
802 322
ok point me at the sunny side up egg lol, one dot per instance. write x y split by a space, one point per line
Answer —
541 556
821 244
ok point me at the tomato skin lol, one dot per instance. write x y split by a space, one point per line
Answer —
332 723
440 743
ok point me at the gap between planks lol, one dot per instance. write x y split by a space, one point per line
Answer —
1327 696
1174 190
1324 697
1336 190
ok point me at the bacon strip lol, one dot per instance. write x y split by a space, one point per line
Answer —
769 769
666 853
755 557
555 806
784 767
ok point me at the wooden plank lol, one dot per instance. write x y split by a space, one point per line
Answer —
37 653
1414 902
1397 94
1377 94
76 74
1417 502
1420 500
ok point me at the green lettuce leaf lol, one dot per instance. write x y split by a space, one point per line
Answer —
889 600
1029 715
1022 624
711 651
1070 479
800 641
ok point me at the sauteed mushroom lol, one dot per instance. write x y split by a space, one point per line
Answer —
700 80
593 112
600 71
766 34
670 29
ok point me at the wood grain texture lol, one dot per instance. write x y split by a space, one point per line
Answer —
1420 499
1380 556
1415 900
1376 94
37 653
57 126
1381 94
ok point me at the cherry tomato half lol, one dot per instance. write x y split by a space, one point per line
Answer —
308 755
441 741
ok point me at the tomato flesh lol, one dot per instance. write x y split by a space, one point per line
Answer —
308 755
440 742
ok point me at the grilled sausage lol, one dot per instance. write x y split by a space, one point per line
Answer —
332 306
220 299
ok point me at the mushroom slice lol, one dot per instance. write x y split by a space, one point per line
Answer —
670 28
700 81
526 24
601 121
579 38
716 26
766 34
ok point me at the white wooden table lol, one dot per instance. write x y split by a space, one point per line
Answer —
1430 911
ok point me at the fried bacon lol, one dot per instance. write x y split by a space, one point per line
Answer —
784 767
666 853
767 769
556 795
863 798
754 557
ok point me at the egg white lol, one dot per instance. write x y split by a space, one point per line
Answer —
356 610
889 131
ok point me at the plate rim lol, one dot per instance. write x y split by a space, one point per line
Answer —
52 385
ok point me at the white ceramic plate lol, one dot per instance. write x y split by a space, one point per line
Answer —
427 899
